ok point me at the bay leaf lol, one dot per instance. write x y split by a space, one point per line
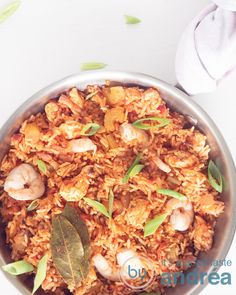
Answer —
73 217
67 251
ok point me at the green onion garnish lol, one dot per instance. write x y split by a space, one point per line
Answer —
18 268
42 166
33 205
91 127
215 177
97 205
111 202
162 122
88 66
131 20
9 10
171 193
152 225
41 273
134 169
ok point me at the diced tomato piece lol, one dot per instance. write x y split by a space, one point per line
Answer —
162 109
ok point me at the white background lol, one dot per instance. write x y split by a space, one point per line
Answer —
48 39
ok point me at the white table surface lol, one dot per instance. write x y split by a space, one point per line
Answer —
49 39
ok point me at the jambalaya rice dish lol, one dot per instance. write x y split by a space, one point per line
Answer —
105 176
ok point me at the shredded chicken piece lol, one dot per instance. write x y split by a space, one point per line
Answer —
208 205
138 212
74 107
71 129
75 188
202 234
181 159
52 111
82 145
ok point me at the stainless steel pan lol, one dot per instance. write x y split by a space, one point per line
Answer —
176 100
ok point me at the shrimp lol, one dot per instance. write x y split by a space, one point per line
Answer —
82 145
133 260
129 132
181 214
24 183
106 270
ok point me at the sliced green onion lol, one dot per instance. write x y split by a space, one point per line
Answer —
18 268
9 10
97 205
162 122
152 225
33 205
42 166
88 66
215 177
111 202
41 273
91 127
171 193
132 170
132 20
136 169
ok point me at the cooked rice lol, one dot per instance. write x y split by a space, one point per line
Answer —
182 147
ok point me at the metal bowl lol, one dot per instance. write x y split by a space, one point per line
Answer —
176 100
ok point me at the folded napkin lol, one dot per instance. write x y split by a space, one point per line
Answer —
207 49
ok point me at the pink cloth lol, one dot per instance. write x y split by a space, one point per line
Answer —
207 50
